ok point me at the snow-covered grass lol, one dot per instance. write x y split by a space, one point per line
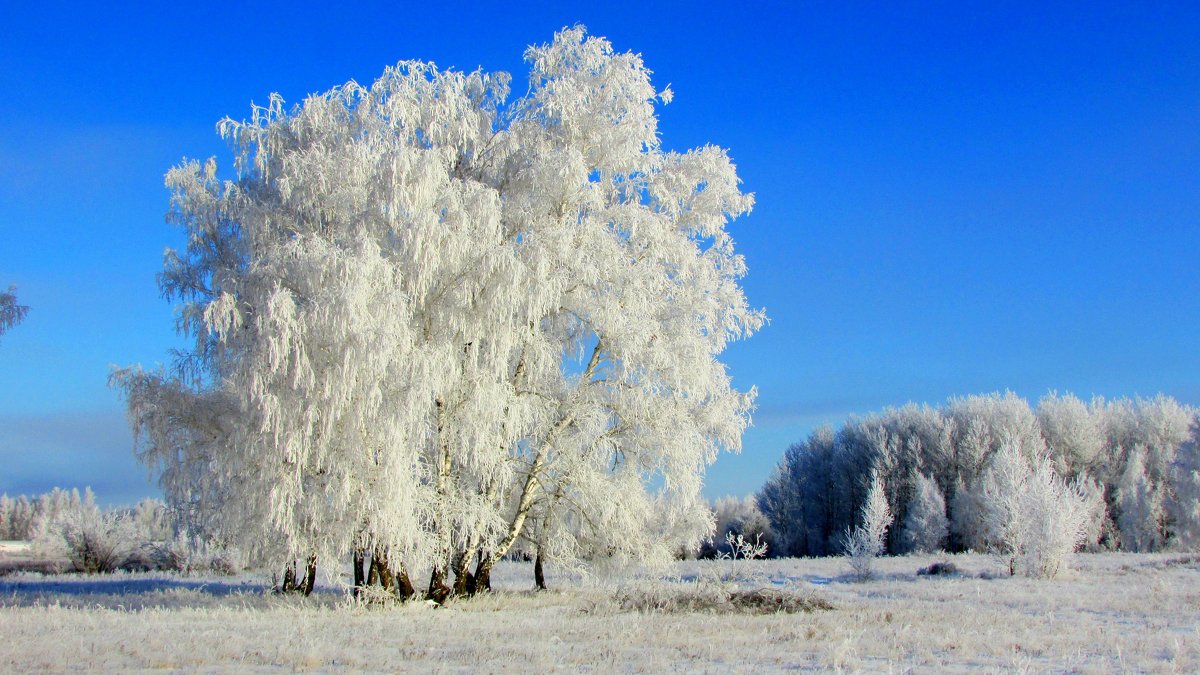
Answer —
1115 612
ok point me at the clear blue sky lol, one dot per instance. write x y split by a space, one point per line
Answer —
950 200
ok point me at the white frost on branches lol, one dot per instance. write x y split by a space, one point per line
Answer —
1186 479
865 542
1033 517
926 526
434 322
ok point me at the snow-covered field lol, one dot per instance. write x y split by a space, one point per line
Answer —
1116 612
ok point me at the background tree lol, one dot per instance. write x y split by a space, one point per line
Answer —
1104 448
926 526
1186 479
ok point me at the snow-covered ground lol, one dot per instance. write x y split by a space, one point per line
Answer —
1115 612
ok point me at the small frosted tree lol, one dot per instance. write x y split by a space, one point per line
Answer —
865 542
926 526
1034 519
11 313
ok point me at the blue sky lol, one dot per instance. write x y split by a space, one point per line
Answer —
950 200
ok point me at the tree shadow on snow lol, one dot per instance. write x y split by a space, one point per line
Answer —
27 591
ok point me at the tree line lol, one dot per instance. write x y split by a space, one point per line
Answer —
946 472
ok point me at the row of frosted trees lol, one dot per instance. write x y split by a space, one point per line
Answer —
1135 462
434 326
21 517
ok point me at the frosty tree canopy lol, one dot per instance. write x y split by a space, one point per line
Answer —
434 323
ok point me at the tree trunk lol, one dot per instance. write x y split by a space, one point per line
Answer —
404 587
310 578
386 580
373 571
464 581
438 590
289 579
483 574
529 492
539 577
360 559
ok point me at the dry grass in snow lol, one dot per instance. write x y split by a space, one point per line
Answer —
1117 612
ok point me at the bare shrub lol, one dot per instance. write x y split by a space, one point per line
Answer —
190 554
741 518
93 541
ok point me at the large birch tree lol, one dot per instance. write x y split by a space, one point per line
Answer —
432 323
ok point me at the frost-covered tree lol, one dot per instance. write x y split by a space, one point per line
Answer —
1148 433
866 540
1072 432
926 526
432 323
1033 517
798 498
1142 509
11 313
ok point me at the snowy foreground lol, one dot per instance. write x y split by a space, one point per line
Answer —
1116 612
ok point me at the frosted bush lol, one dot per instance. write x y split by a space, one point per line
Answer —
739 517
1033 517
190 554
704 597
93 541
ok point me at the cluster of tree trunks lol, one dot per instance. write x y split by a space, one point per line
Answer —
372 570
293 583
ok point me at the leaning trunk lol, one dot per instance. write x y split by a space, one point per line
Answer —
404 587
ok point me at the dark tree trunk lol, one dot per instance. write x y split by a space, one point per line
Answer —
404 587
373 570
539 576
310 577
386 580
360 559
483 574
289 579
438 590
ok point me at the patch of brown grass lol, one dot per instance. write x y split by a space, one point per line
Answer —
715 599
